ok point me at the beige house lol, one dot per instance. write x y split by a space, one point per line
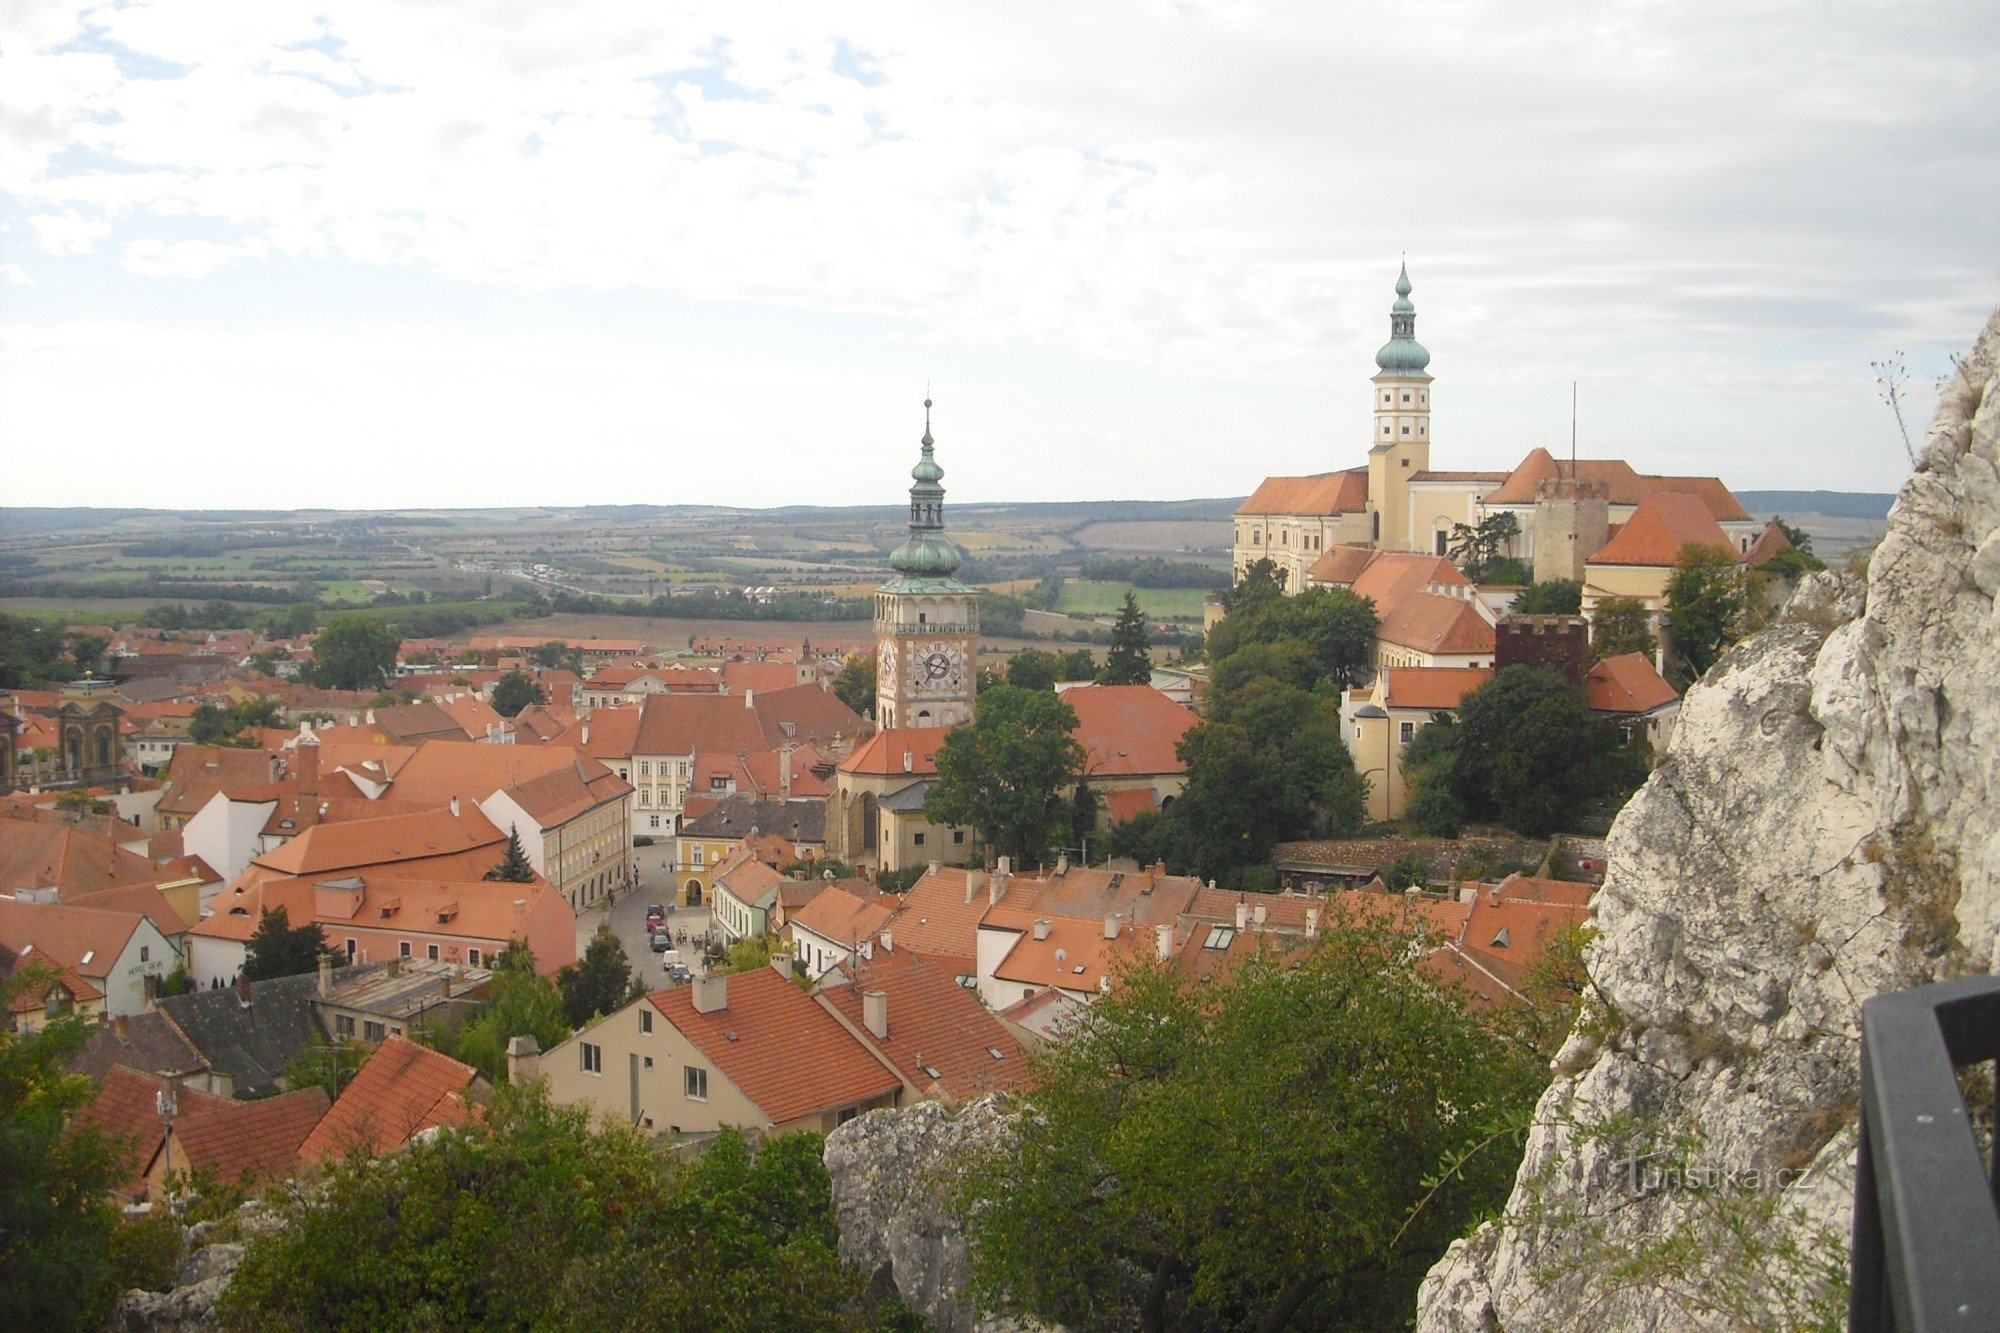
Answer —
1379 722
875 816
749 1050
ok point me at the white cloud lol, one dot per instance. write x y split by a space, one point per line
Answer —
1685 200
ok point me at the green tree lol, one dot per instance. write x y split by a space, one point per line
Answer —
1529 752
1557 597
1478 548
295 621
31 653
354 653
1261 581
1130 661
855 685
278 949
513 692
1622 625
752 952
1131 1196
1269 765
57 1231
1008 774
87 651
1334 624
1033 669
1706 602
514 867
599 982
534 1218
327 1063
1429 767
519 1003
1076 664
1800 539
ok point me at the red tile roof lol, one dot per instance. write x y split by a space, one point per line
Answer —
197 772
1627 684
253 1141
883 753
402 1090
1769 542
71 859
1663 523
86 940
1121 805
1128 729
126 1111
940 1035
781 1050
934 919
1321 494
843 917
692 723
1432 687
368 842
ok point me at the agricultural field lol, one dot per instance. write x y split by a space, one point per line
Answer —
1082 597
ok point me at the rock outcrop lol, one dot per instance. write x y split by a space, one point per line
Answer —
889 1202
1822 828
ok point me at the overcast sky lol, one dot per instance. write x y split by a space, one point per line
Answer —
508 252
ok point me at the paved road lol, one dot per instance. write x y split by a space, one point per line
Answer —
627 916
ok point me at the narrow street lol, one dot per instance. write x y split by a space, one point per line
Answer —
627 918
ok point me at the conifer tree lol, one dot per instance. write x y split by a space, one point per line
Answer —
515 868
1130 661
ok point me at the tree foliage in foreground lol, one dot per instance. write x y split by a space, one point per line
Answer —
1287 1146
535 1219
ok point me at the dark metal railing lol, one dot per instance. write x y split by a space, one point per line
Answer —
1926 1209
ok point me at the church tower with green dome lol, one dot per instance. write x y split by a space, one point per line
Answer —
1401 447
926 621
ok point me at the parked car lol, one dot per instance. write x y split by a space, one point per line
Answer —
656 916
678 975
663 941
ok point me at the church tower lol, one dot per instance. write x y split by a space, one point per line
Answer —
1402 423
926 621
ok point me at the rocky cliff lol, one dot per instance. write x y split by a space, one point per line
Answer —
1822 828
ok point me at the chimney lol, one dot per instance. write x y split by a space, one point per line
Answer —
781 963
1042 929
785 770
875 1013
1163 941
243 991
711 994
308 764
444 986
1258 915
888 942
586 733
909 762
454 807
1312 922
1006 867
975 880
1062 865
524 1060
750 699
996 889
1242 915
932 871
1111 926
325 975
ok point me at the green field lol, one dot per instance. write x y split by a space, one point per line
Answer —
1081 597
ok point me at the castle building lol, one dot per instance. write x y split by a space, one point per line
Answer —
926 621
1567 510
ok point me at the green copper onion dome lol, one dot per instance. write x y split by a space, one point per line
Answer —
926 554
1403 354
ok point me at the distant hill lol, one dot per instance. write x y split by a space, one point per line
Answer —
1834 504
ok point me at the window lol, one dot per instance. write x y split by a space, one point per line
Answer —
847 1115
1408 732
646 1021
373 1031
403 949
698 850
1406 396
473 956
145 953
654 820
593 1058
1385 428
343 1025
649 1062
1357 731
1406 430
694 1082
431 952
958 836
918 840
645 768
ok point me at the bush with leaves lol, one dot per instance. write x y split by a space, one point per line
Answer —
1009 773
1707 600
1557 597
1622 625
598 982
519 1003
1527 752
277 948
537 1219
1147 1185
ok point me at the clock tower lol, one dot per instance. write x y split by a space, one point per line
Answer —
926 621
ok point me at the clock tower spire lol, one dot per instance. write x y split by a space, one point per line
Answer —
926 621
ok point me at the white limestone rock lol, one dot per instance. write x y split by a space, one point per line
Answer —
1824 826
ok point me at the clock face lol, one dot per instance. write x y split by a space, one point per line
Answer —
885 662
937 667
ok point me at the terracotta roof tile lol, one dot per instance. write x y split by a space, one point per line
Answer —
781 1050
934 919
126 1110
1769 542
369 842
940 1035
1324 493
252 1141
402 1090
1123 804
1128 729
1627 684
1432 687
1663 523
843 917
883 753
